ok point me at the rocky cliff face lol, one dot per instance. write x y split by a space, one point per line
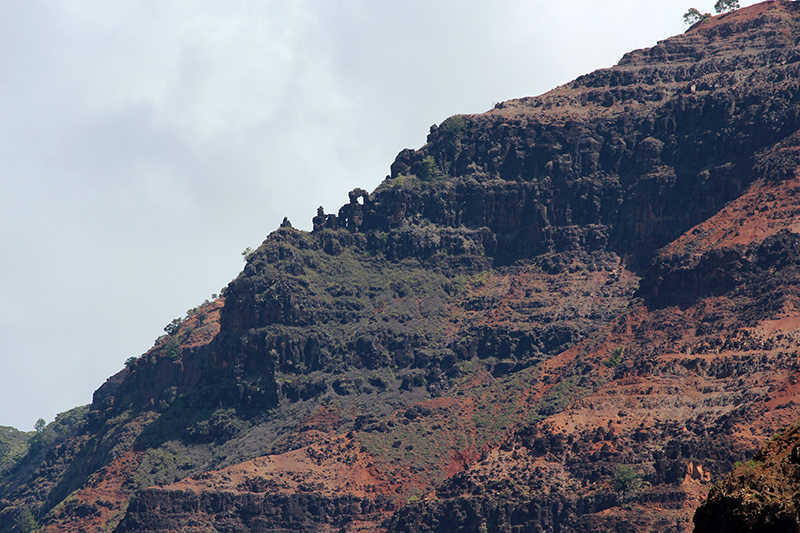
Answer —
759 495
574 312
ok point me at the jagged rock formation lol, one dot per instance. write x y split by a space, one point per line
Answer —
573 312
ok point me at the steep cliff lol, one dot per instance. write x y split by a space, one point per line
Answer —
573 312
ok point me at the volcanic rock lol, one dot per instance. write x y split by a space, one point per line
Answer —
574 312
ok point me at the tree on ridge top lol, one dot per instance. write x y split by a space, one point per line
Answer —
693 16
723 6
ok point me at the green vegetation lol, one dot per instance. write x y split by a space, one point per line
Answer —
170 462
723 6
424 443
430 170
64 425
25 523
394 334
222 425
454 127
615 358
625 480
693 16
13 445
749 465
566 391
183 422
176 333
494 420
171 347
173 327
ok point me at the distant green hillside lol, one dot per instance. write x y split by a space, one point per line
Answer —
13 445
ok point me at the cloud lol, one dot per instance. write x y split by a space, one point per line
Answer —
145 144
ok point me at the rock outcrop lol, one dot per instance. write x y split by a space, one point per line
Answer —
759 495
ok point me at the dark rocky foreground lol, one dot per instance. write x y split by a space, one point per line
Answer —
759 495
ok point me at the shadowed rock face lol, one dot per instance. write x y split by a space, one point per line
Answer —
614 165
626 158
573 312
299 512
760 495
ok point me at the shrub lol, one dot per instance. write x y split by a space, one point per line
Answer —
615 357
625 479
25 523
429 169
171 348
454 127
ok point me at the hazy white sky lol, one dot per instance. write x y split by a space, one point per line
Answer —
144 145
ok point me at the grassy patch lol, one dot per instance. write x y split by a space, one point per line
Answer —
13 446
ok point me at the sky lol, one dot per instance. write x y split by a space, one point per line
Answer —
144 145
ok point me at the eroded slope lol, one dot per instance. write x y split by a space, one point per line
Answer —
573 312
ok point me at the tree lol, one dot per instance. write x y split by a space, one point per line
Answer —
40 425
173 327
723 6
693 16
247 253
625 479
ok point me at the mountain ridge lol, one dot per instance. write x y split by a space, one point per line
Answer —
573 312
